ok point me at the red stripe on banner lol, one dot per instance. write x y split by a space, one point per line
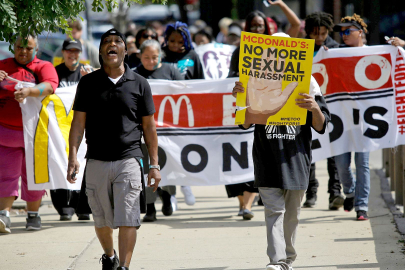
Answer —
191 110
355 74
399 80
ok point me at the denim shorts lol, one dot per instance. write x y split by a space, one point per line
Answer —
113 189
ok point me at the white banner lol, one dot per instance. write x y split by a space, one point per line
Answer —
215 59
364 89
198 143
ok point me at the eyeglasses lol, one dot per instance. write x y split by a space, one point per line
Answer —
347 32
148 36
257 27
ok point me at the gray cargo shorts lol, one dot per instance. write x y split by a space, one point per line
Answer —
113 189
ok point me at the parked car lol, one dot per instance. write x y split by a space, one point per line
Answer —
48 43
97 31
4 50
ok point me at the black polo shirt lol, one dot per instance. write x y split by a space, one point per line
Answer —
114 113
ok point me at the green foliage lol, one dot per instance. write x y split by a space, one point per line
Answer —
32 17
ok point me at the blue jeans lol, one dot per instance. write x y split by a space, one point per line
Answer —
358 188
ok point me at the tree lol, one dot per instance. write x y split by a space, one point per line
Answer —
32 17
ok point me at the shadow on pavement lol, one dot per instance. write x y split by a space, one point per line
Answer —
380 220
206 222
343 266
19 227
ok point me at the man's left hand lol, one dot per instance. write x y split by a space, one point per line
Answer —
307 102
22 93
155 174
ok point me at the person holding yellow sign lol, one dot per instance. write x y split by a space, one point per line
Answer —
256 22
284 102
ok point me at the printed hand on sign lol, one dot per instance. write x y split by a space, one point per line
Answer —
266 97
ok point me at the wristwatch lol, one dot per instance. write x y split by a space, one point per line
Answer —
154 167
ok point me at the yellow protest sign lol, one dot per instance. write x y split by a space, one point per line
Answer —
273 71
59 60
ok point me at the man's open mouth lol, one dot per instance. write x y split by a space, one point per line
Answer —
112 52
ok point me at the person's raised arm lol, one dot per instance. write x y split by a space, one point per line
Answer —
291 17
151 141
75 138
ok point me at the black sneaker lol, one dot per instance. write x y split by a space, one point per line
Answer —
336 201
149 217
5 224
33 222
65 218
150 213
167 208
348 204
362 215
83 216
109 264
310 201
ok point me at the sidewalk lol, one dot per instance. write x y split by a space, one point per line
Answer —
209 235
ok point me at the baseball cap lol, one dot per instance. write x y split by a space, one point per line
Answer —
113 32
72 44
346 23
235 30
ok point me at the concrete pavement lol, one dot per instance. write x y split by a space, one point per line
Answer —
209 235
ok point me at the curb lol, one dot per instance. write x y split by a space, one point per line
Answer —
399 217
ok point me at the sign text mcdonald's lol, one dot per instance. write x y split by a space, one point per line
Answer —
194 110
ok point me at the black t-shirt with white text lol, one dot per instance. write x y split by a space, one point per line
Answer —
188 63
165 72
114 113
67 77
282 154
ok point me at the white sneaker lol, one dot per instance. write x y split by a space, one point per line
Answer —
188 195
173 201
274 267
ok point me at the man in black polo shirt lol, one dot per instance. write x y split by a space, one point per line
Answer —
114 106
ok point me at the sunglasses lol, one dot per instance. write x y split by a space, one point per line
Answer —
257 27
347 32
148 36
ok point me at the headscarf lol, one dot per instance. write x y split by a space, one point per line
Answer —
182 28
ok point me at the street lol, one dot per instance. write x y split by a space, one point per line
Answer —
210 235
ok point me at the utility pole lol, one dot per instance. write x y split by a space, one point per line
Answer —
337 15
303 9
183 12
